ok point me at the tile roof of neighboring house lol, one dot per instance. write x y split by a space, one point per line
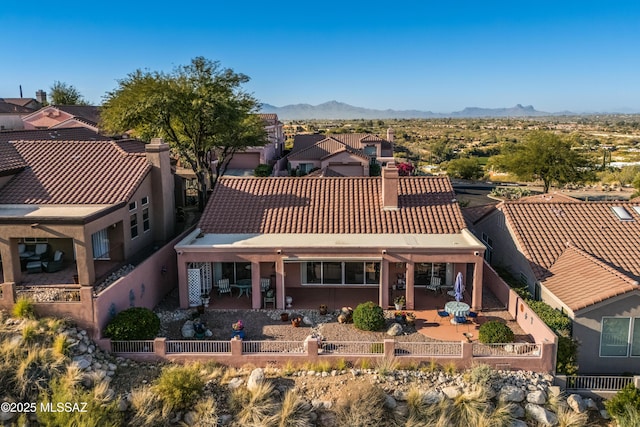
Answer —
76 172
544 229
90 113
325 148
10 160
23 102
271 119
580 280
60 134
475 213
353 140
549 198
330 205
325 172
9 108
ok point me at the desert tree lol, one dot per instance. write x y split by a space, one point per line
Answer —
547 157
61 93
200 109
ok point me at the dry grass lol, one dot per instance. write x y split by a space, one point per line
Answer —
294 412
206 411
567 417
147 408
254 408
386 365
362 406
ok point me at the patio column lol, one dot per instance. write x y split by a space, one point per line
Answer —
256 295
10 260
383 295
476 298
183 281
409 282
280 292
84 260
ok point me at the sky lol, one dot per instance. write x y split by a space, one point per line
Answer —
423 55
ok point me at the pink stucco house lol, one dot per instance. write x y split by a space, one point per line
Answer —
63 116
330 234
266 154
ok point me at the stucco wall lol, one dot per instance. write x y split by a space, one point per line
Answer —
11 122
586 329
143 287
244 161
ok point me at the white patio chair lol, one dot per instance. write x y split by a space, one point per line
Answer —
224 287
434 284
265 284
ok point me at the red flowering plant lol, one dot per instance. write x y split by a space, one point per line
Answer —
405 169
238 326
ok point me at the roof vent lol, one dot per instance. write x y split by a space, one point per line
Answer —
622 213
637 209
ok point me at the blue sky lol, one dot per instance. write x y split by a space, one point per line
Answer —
426 55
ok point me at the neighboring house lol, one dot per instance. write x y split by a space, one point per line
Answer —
11 115
348 154
29 103
64 116
329 235
99 202
58 134
250 158
582 258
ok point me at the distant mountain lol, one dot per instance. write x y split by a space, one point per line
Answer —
340 110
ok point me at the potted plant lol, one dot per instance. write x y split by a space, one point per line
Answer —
205 299
400 316
323 309
284 316
295 321
399 302
238 330
410 318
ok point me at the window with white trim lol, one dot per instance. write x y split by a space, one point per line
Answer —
146 225
133 206
144 201
134 226
620 337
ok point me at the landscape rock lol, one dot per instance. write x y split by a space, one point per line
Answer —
576 403
390 402
432 396
516 410
235 383
225 419
538 397
590 404
187 329
6 416
604 414
189 418
255 379
541 415
518 423
510 393
452 392
394 330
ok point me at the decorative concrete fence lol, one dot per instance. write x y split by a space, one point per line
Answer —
604 386
531 357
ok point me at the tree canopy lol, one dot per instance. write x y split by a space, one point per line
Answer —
465 168
544 156
200 109
61 93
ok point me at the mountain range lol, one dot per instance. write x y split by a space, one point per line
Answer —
340 110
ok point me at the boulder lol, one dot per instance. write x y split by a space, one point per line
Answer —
235 383
511 393
452 392
518 423
590 404
516 410
394 330
390 402
538 397
255 379
187 329
541 415
576 403
432 396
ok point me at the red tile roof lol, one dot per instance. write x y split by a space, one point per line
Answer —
76 172
353 140
10 160
543 230
325 148
579 280
473 214
60 134
350 205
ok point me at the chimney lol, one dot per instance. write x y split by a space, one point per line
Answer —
41 96
390 135
390 187
162 189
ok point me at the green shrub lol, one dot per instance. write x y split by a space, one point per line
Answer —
263 170
136 323
567 356
178 387
495 332
23 308
618 406
368 317
555 319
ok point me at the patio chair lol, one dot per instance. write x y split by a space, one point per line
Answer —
461 321
40 252
269 298
434 284
23 252
473 316
442 314
55 264
224 287
265 284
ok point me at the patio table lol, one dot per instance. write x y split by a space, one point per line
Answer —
243 286
457 308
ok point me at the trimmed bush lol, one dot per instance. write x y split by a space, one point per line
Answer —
179 387
495 332
263 170
555 319
368 317
136 323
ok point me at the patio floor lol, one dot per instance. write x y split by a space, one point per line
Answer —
428 322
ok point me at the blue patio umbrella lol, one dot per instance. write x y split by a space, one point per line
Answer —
458 287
